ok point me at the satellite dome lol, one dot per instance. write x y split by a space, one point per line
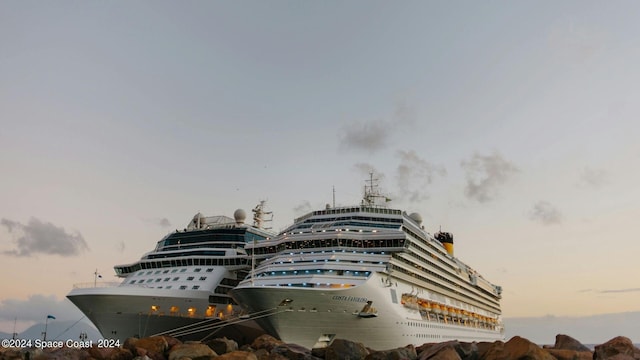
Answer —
416 217
239 215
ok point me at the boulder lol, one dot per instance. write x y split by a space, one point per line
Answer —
562 354
403 353
63 353
566 342
154 347
341 349
463 350
517 348
484 346
111 353
222 345
192 351
617 346
293 352
238 355
446 353
266 342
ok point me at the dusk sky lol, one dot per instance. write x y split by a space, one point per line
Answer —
512 124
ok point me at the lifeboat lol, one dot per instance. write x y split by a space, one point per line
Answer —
425 305
436 308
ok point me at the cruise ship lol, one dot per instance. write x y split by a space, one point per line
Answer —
181 287
367 273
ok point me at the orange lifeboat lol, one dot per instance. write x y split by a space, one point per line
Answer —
436 308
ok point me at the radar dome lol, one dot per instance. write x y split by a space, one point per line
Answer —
416 217
240 215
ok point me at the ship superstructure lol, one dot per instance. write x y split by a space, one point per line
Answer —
371 274
181 287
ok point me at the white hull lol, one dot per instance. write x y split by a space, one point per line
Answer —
314 316
123 312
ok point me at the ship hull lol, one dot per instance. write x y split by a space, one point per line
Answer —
123 312
313 317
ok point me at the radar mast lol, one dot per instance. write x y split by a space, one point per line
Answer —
259 215
372 196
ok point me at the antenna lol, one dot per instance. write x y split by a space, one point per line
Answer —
334 196
371 192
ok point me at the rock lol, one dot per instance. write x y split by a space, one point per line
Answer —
154 347
191 350
403 353
517 348
566 342
10 354
63 353
617 346
266 342
484 346
562 354
238 355
222 345
341 349
111 353
463 350
446 353
293 352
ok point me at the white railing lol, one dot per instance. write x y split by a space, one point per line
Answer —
99 284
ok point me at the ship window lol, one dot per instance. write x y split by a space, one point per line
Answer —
176 278
166 271
149 280
132 282
203 278
149 272
195 287
209 270
183 270
168 287
190 278
166 279
197 270
183 287
157 272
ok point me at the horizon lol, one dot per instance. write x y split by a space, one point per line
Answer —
511 125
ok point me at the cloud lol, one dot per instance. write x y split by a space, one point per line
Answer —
414 174
371 136
43 238
545 213
485 174
619 290
593 177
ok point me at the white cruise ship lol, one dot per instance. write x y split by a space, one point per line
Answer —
180 288
369 274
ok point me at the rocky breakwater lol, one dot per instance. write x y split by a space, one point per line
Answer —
268 348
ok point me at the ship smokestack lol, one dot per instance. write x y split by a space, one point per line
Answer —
446 239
